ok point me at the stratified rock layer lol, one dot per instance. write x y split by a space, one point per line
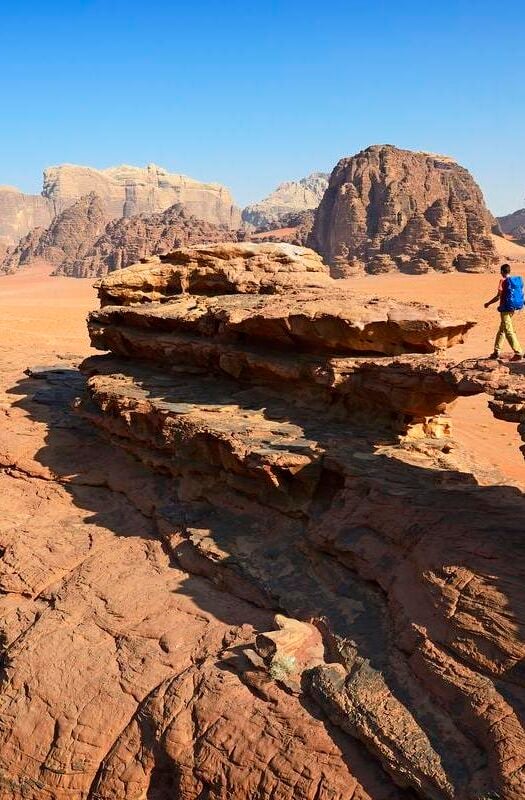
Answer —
226 268
388 209
124 191
262 591
128 190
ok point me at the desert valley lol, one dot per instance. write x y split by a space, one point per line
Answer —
262 529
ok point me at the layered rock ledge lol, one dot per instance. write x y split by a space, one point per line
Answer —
270 417
263 588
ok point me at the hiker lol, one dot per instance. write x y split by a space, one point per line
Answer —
510 297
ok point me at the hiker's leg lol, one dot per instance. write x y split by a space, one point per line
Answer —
500 336
511 337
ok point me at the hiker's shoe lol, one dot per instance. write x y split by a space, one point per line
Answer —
495 355
517 357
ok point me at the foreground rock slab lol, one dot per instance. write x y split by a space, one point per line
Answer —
251 584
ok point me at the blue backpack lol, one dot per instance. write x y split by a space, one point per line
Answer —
512 298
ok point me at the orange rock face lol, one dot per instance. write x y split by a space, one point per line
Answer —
389 209
243 583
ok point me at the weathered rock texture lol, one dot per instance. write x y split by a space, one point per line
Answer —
67 239
126 241
261 591
128 190
226 268
296 229
388 209
124 191
82 243
20 213
514 225
289 198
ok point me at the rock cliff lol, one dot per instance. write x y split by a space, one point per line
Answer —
281 577
289 197
20 213
125 191
390 209
67 239
514 225
128 190
125 241
82 243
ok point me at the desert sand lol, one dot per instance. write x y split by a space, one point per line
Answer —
42 321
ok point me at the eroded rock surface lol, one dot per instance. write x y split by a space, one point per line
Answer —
125 191
67 239
20 213
225 268
291 197
514 225
388 209
125 241
260 589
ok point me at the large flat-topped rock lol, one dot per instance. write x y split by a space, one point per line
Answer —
331 321
224 268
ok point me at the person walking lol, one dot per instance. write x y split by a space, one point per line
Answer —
511 299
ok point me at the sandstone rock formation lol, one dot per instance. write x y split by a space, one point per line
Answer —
388 209
514 225
67 239
260 589
289 198
124 191
81 243
128 190
20 213
296 229
125 241
226 268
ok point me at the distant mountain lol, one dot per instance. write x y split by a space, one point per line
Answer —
67 238
289 197
124 191
126 241
81 241
389 209
514 225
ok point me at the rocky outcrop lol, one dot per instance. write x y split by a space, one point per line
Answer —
291 197
389 209
124 191
125 241
262 587
514 225
127 191
271 422
226 268
81 243
66 240
20 213
296 229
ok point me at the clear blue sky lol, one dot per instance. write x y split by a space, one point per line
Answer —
253 93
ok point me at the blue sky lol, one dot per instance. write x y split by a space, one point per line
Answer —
253 93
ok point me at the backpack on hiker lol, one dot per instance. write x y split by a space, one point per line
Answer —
512 298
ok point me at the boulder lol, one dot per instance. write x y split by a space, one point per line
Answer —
223 268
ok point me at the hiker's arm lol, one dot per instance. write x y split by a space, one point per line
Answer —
494 300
